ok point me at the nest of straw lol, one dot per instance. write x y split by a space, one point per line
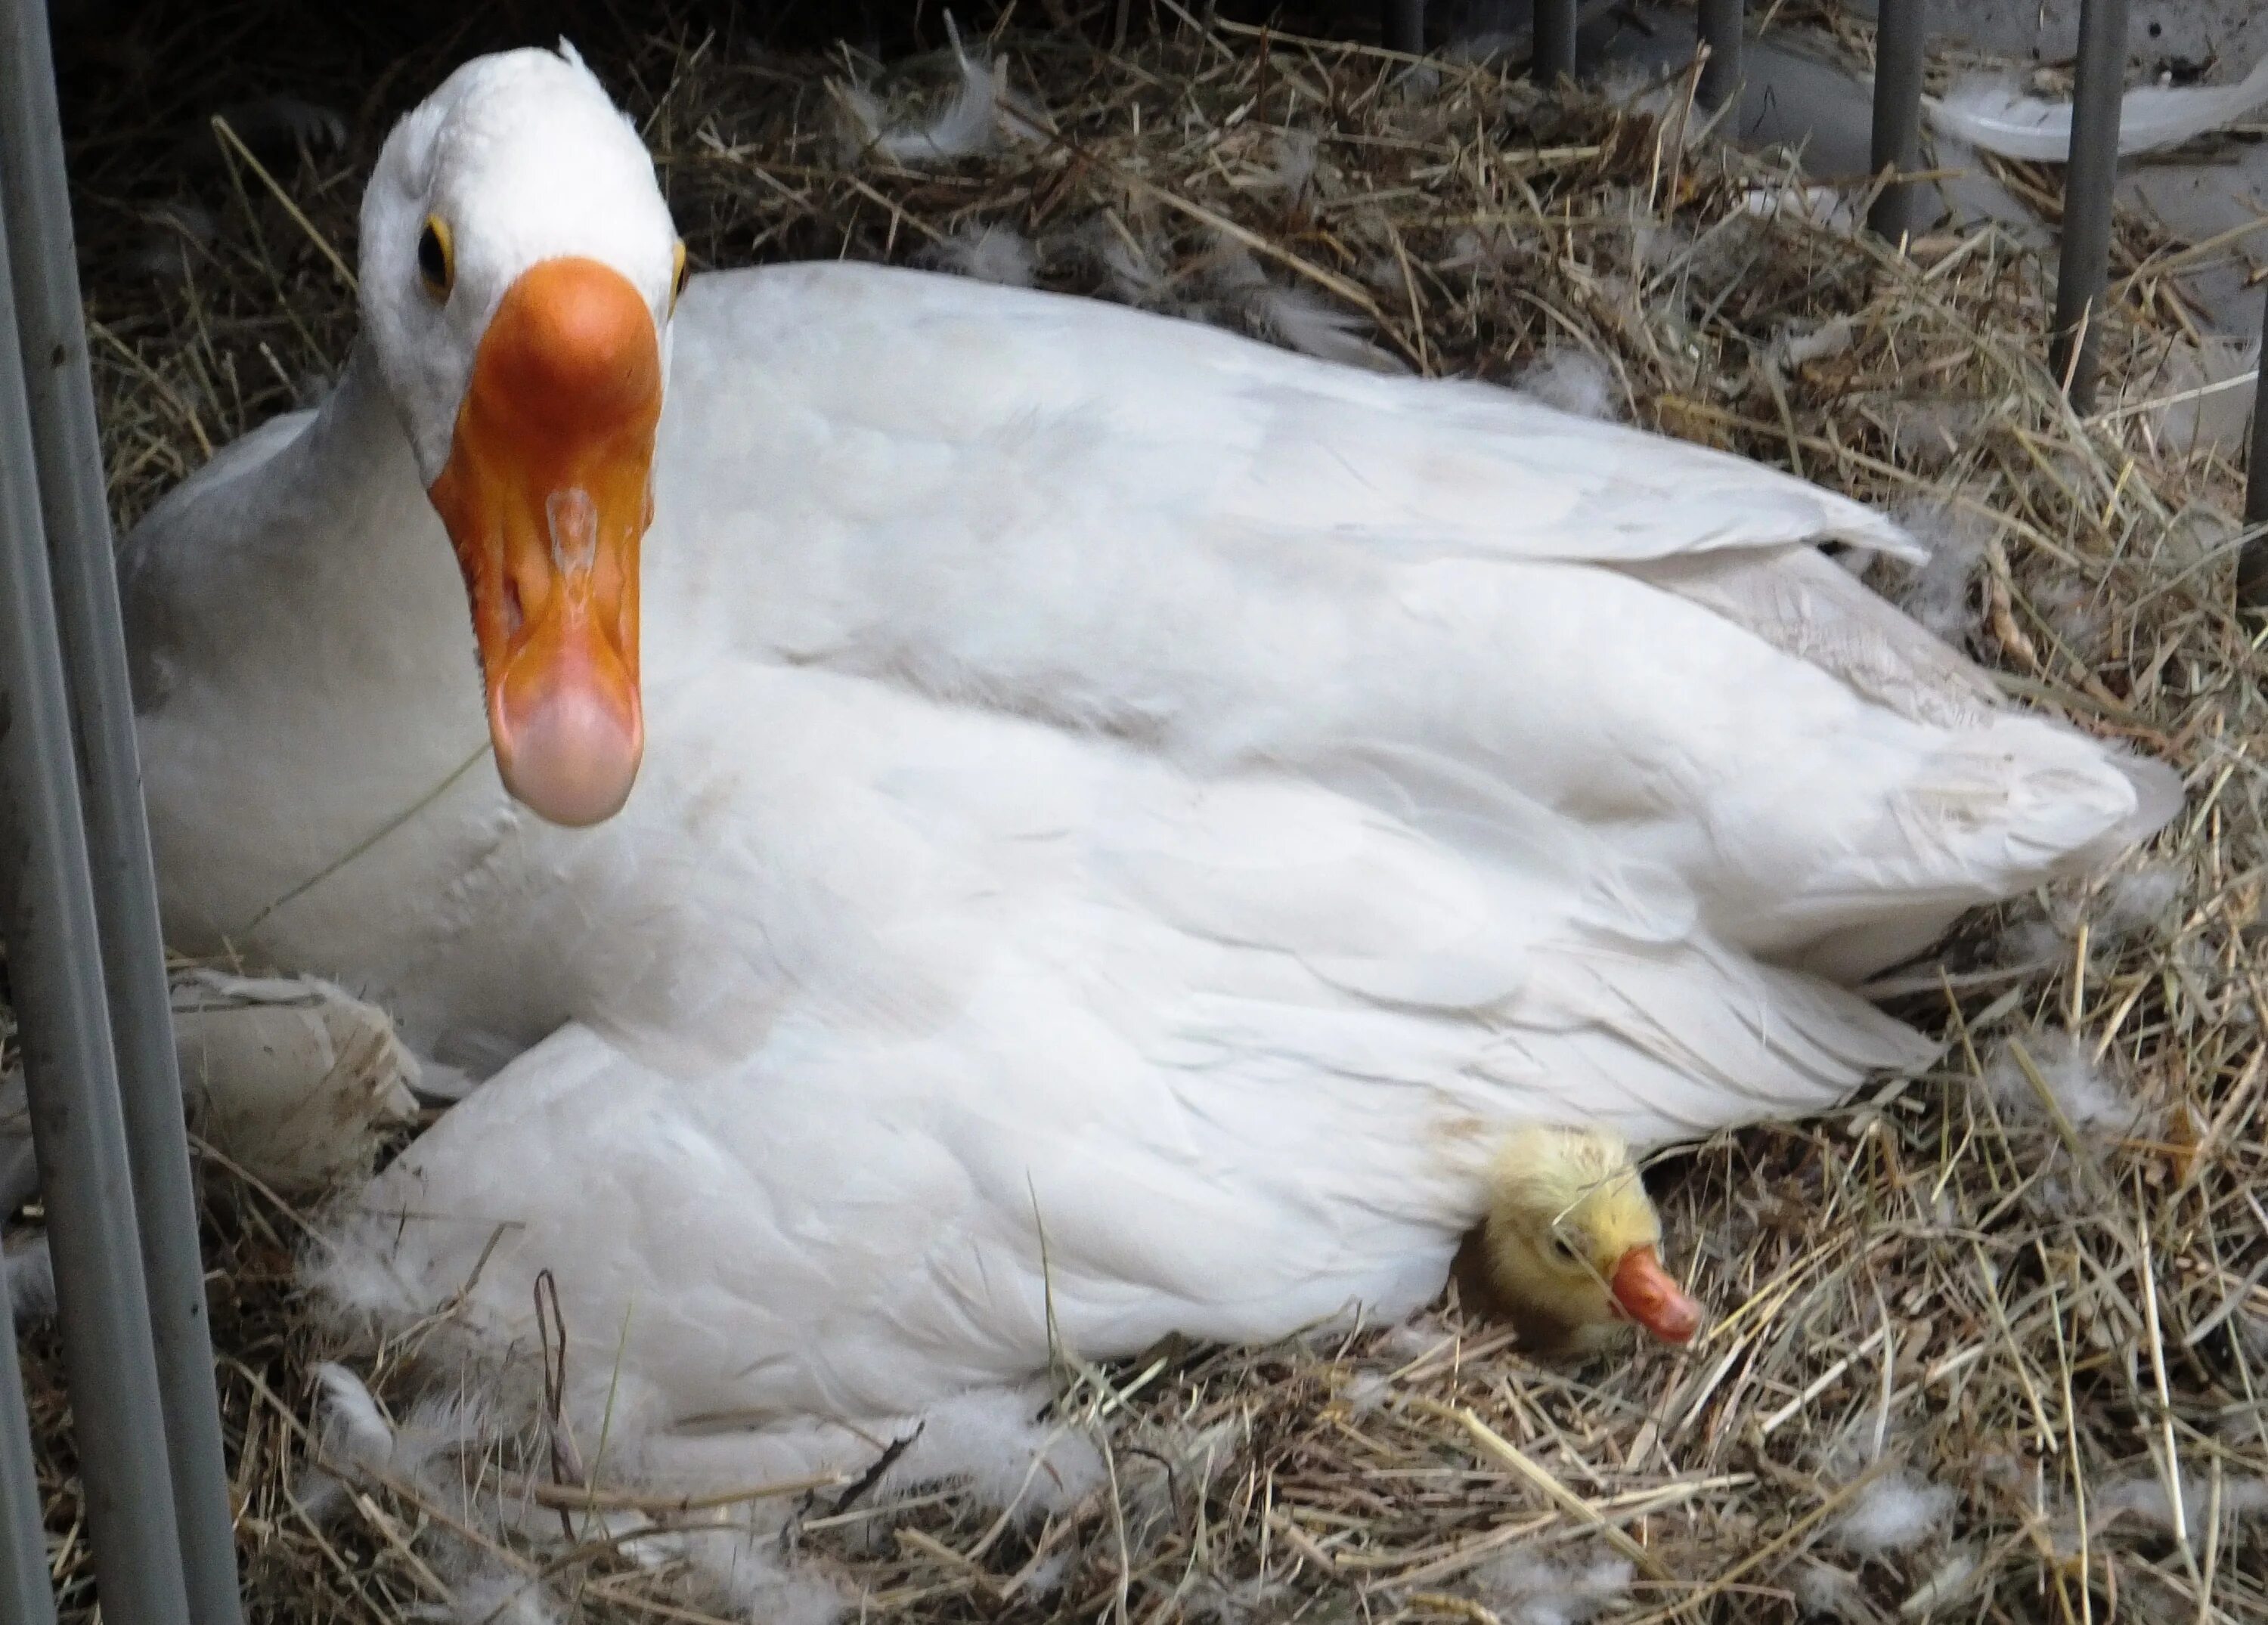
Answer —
1987 1337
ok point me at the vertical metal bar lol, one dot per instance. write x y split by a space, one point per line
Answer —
1898 37
2083 269
76 507
1402 24
2252 562
1554 57
1720 31
24 1595
54 963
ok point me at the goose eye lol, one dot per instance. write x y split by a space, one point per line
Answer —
681 274
437 263
1565 1250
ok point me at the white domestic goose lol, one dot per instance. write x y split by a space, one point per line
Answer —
1023 808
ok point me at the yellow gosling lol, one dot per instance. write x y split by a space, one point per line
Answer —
1572 1245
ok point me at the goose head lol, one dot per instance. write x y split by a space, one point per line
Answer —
519 274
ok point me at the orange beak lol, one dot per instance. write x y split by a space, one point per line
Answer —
1644 1291
547 494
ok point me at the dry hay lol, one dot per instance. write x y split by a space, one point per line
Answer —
1985 1340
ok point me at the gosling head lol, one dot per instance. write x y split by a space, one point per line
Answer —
1572 1245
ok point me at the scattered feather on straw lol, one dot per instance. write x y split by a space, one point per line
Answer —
1526 1588
995 253
992 1443
2088 1093
1940 594
1894 1513
1828 208
1572 381
980 114
489 1593
1823 1591
1293 170
753 1577
1293 316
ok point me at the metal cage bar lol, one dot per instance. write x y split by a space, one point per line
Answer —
2082 269
2252 562
1554 56
55 962
74 506
1721 22
1898 37
1401 24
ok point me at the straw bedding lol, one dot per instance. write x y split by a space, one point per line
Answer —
1987 1337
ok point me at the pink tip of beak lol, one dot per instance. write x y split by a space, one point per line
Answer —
569 751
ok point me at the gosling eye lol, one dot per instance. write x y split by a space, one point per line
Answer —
437 259
1563 1250
681 273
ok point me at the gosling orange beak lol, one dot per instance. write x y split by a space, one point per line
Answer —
546 495
1644 1291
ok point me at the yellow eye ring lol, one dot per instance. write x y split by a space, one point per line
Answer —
680 273
437 258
